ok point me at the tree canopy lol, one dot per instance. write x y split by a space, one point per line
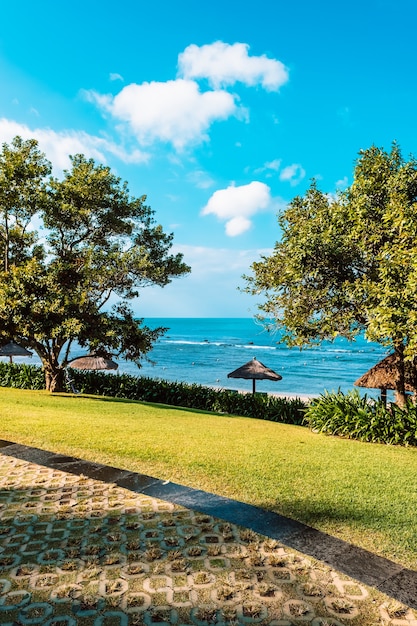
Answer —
75 252
347 263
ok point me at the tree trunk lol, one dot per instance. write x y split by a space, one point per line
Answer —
54 378
400 395
400 398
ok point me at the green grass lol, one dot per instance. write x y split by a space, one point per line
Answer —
363 493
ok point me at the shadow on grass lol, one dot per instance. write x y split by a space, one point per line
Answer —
157 405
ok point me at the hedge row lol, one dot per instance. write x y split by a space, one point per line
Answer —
289 411
21 376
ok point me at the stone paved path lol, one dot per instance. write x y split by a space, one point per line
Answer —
93 545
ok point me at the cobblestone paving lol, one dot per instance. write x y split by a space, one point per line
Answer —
79 552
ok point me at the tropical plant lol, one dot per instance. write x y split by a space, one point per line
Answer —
360 417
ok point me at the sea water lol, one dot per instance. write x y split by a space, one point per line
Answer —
205 350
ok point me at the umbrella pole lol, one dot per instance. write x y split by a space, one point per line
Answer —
253 385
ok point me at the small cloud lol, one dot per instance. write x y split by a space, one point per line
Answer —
342 183
269 166
273 165
223 64
235 205
34 111
200 179
115 76
293 174
175 112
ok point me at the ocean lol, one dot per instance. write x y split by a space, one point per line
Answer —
204 351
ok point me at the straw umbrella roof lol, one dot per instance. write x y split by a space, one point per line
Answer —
13 349
93 362
254 370
384 375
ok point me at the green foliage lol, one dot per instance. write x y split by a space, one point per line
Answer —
21 376
350 415
347 263
101 244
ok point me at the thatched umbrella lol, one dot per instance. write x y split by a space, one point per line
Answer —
93 362
254 370
384 375
12 349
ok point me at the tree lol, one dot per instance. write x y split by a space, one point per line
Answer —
347 264
100 246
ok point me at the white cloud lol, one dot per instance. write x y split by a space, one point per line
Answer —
269 166
293 174
236 205
224 64
59 145
174 112
115 76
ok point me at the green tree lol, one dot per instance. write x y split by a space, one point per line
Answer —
23 169
348 263
100 246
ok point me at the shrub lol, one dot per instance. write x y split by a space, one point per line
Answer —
360 417
21 376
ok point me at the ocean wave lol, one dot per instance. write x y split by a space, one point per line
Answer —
255 347
217 344
185 342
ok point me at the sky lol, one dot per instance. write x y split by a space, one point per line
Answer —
220 113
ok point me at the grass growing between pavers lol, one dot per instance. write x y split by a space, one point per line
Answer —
78 552
362 493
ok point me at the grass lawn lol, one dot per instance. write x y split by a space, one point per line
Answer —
363 493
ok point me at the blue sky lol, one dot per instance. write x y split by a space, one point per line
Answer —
219 112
